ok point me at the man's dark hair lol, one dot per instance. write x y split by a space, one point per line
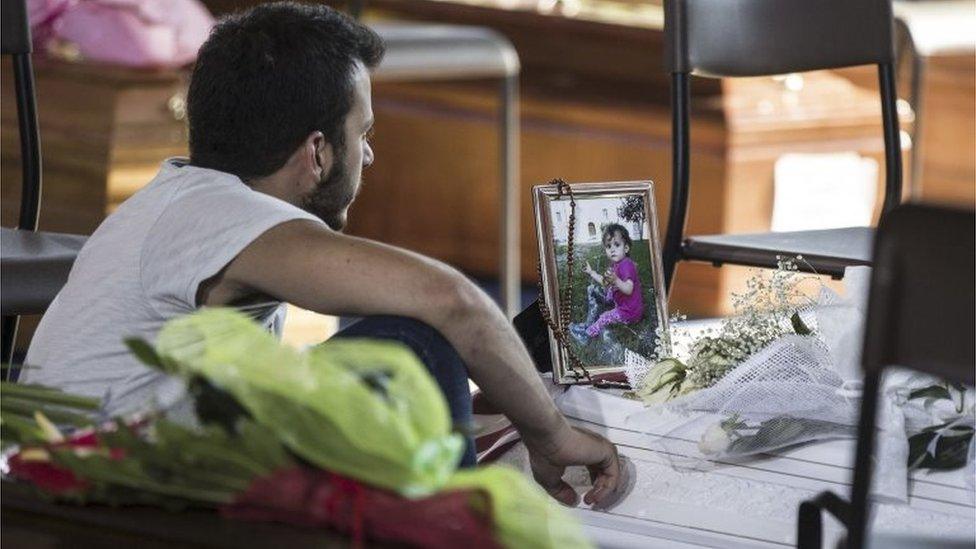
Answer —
617 228
267 78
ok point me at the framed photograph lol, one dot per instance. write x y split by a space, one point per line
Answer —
616 301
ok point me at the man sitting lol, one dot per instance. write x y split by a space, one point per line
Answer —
280 117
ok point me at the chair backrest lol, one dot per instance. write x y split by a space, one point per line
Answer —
718 38
922 306
15 37
16 42
768 37
920 315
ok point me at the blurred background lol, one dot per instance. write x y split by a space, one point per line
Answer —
766 152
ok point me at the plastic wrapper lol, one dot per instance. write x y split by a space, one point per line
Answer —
798 389
840 322
784 395
525 516
365 409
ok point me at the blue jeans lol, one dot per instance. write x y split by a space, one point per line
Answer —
438 356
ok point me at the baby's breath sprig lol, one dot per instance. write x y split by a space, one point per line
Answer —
766 310
663 340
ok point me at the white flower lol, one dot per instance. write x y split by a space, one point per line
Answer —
662 382
714 440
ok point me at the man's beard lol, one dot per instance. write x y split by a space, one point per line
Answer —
331 197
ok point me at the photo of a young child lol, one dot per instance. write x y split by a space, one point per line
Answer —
614 299
618 287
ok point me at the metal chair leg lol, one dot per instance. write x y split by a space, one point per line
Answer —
809 525
892 137
678 210
863 463
9 339
30 145
509 245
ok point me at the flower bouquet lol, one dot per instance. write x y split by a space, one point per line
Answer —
783 371
761 381
351 435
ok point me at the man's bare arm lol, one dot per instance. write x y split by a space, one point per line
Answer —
317 269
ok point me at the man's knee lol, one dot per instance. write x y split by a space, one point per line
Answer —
433 349
392 327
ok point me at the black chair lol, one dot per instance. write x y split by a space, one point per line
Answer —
729 38
33 265
920 316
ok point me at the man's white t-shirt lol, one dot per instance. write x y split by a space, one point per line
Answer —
142 267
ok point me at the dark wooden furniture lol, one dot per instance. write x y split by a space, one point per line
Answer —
921 316
937 55
106 131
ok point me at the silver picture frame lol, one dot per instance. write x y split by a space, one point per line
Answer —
597 208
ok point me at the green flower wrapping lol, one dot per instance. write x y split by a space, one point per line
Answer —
525 517
366 409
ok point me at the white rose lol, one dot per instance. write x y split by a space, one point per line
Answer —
714 440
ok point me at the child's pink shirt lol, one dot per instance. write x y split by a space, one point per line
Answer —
631 306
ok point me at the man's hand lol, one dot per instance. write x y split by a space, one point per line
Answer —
577 446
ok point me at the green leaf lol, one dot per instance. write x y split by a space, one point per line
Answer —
216 406
262 444
8 366
145 353
733 423
782 431
918 448
932 391
213 449
799 326
951 452
25 408
20 430
47 395
129 473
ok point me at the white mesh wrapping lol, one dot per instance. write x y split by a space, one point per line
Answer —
784 395
636 368
798 389
792 376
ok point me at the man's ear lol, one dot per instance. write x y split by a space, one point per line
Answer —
318 155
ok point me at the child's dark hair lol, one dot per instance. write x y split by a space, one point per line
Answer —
609 230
